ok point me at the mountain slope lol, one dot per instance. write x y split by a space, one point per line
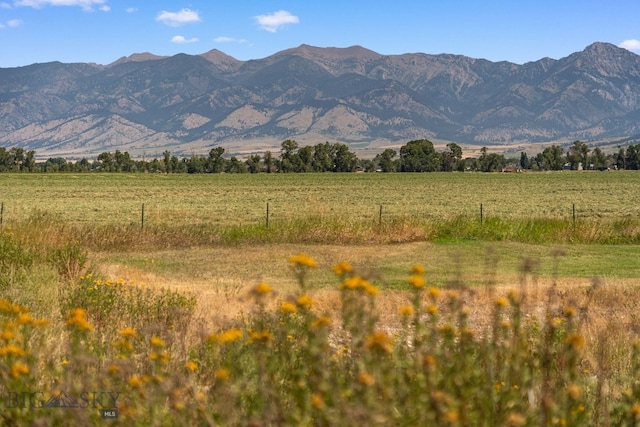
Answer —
353 95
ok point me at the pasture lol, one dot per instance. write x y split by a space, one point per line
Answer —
227 199
203 315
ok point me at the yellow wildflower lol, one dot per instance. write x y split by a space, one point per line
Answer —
128 333
157 342
263 336
24 319
429 360
78 318
222 374
18 369
288 307
354 282
342 268
231 335
417 269
302 260
501 302
12 350
304 301
367 379
7 335
317 401
434 293
573 391
417 282
322 321
191 366
569 311
262 289
575 341
451 417
379 341
135 381
406 310
371 289
432 309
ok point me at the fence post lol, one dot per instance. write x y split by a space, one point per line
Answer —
380 217
574 217
1 213
142 218
480 213
267 223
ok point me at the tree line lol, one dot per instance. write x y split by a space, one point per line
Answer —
415 156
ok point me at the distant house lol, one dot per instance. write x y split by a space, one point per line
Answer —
510 169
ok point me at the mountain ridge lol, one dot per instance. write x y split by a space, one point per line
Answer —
353 95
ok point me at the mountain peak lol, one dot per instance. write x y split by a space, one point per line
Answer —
333 52
220 59
137 57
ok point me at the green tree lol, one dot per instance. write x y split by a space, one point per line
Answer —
552 158
386 161
5 160
17 155
492 162
577 155
323 157
287 151
419 156
196 164
106 162
215 161
524 161
598 159
235 166
122 161
268 161
451 159
304 158
345 160
253 163
632 158
167 161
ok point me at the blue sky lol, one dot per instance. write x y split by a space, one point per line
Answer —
101 31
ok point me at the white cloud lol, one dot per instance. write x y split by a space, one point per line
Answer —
223 39
182 40
4 5
12 23
631 44
86 5
175 19
131 9
276 20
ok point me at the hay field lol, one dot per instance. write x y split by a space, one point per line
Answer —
224 200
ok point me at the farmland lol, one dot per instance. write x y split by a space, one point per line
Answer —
227 199
202 309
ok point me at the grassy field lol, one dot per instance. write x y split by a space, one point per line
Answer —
203 317
242 199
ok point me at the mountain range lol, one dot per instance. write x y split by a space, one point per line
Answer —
187 104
